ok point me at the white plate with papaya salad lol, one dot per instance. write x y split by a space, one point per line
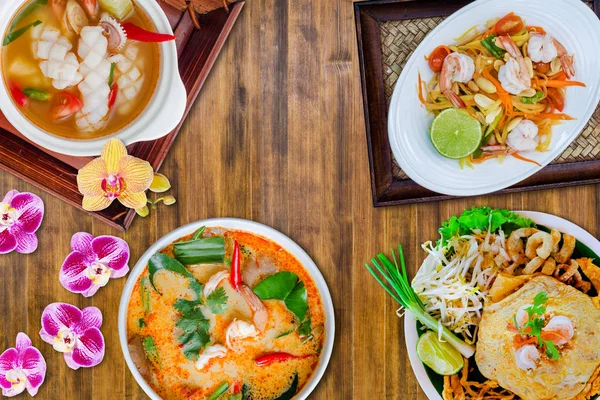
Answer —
494 93
505 306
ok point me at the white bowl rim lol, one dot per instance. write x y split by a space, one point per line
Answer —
161 115
242 225
526 170
410 325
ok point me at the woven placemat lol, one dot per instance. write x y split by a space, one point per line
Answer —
398 41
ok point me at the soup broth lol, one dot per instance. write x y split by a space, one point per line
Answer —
158 341
84 107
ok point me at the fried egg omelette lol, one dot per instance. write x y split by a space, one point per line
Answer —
561 379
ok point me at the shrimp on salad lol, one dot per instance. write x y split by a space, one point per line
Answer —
511 78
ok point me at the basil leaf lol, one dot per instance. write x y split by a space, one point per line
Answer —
291 391
11 37
162 261
26 12
277 286
297 301
201 251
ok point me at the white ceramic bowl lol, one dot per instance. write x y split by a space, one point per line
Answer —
243 225
161 115
410 326
570 21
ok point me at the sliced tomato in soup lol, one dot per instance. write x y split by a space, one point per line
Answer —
66 104
511 24
556 98
437 57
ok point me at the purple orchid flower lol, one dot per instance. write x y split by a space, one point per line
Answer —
22 367
93 262
74 332
21 215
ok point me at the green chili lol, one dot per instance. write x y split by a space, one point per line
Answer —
11 37
111 77
490 46
26 12
35 94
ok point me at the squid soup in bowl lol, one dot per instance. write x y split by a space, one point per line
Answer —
77 71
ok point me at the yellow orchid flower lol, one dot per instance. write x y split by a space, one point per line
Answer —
114 175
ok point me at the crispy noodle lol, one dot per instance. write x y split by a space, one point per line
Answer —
458 387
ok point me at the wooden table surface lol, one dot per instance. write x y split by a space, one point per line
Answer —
276 136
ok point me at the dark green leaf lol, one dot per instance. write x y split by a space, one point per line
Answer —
197 287
185 306
141 323
220 391
193 342
201 251
150 350
291 391
26 12
192 321
277 286
217 301
305 327
11 37
297 301
162 261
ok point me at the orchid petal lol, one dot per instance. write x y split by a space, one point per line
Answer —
133 200
119 273
8 242
23 342
95 203
70 363
27 243
111 251
13 392
31 211
34 367
92 318
82 242
112 153
91 290
9 196
90 177
8 360
90 349
137 174
59 315
72 273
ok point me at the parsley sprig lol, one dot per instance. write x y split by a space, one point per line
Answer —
535 324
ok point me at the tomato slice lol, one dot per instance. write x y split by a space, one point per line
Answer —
17 94
509 25
67 104
556 97
437 57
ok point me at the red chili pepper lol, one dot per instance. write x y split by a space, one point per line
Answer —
270 358
112 96
17 94
134 32
236 268
236 387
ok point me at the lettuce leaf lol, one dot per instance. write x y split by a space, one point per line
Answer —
478 219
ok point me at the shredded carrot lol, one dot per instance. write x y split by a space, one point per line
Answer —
559 83
553 116
502 94
421 98
537 29
482 158
520 157
519 342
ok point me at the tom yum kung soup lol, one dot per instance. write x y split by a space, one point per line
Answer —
81 69
225 313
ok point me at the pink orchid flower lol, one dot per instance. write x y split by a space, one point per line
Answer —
74 332
93 262
21 215
22 367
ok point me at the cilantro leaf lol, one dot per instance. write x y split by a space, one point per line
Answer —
185 306
193 342
192 321
197 287
480 219
551 350
217 301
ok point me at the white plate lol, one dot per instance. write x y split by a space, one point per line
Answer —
242 225
160 116
410 326
570 21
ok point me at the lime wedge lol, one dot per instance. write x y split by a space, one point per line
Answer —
441 357
455 134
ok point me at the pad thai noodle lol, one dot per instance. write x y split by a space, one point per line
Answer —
512 78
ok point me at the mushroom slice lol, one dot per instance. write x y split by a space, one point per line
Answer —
117 38
76 16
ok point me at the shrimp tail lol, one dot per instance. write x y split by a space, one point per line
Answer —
454 99
509 45
566 61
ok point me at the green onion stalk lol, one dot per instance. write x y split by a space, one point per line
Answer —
401 291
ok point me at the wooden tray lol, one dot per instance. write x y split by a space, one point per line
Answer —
388 32
56 174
